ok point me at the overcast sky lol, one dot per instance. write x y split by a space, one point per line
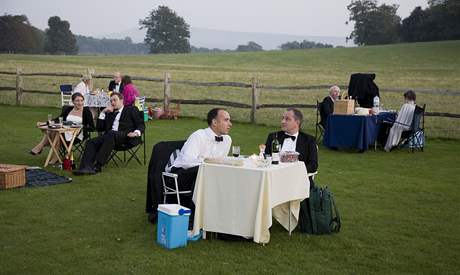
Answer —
298 17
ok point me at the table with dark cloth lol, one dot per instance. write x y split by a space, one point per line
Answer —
354 131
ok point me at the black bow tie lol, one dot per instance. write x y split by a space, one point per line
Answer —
219 139
289 136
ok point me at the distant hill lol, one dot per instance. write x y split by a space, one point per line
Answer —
208 38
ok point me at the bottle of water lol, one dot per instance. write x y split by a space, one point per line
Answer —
376 101
376 107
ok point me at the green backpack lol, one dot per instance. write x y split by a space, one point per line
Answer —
319 214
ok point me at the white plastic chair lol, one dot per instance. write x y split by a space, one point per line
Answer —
171 191
66 95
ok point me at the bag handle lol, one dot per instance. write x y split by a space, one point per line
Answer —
336 220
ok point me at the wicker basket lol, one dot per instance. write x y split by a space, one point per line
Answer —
344 107
12 176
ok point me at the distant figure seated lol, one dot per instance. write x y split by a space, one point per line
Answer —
84 86
121 125
403 120
327 106
130 91
115 84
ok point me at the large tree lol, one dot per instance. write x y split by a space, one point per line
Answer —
166 31
440 21
59 38
374 24
17 35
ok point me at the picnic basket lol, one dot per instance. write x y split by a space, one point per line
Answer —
12 176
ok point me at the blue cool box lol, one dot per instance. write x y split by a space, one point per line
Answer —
172 225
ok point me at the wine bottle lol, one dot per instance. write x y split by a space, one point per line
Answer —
275 150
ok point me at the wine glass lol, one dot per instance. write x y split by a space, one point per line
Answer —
236 151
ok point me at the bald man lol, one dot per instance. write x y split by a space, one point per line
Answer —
115 85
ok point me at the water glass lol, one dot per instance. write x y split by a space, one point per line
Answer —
236 151
50 119
60 120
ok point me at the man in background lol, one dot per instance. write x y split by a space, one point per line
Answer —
115 84
327 106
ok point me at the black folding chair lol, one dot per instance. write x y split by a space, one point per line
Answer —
319 132
414 138
129 152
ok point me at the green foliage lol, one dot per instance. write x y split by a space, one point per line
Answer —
250 47
59 38
17 35
374 24
398 211
90 45
440 21
294 45
166 31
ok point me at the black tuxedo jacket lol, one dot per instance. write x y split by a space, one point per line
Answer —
130 120
327 108
112 86
305 146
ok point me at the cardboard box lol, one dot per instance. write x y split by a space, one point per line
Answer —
12 176
344 107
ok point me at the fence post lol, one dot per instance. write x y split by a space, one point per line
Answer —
19 86
166 91
255 99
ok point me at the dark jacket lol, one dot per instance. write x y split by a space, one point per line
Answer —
87 119
305 146
363 89
159 158
327 108
131 119
112 85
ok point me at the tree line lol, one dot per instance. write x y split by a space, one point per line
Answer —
379 24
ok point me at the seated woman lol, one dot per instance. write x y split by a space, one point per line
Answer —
403 120
77 114
84 86
130 91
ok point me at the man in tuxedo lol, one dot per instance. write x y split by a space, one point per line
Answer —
116 85
121 125
327 106
292 139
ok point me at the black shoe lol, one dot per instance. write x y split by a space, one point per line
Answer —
34 153
98 168
84 171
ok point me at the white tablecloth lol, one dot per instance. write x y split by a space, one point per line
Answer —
242 200
97 100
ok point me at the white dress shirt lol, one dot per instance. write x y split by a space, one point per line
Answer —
202 144
289 144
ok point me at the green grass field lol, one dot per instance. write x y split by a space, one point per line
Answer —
414 66
400 214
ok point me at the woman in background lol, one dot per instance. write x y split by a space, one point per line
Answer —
78 114
84 87
130 91
403 121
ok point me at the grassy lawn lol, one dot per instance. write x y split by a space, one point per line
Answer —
400 214
406 66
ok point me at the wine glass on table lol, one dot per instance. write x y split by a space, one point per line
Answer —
236 151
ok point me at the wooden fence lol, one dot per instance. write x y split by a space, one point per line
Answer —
254 86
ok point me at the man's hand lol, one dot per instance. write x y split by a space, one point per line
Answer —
132 134
108 109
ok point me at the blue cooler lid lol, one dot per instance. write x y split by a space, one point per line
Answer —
174 209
